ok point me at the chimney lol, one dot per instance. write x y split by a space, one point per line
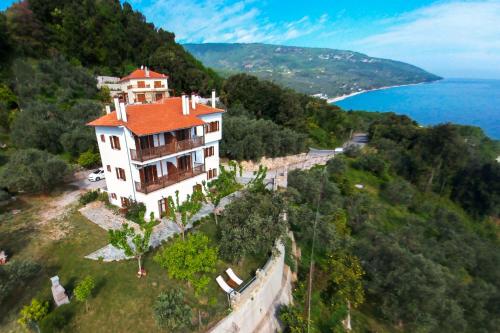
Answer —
123 111
213 98
183 99
117 108
193 101
108 109
147 71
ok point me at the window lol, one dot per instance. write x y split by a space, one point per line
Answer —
108 167
115 142
113 196
141 98
120 174
158 84
103 139
212 173
209 151
141 84
212 126
158 97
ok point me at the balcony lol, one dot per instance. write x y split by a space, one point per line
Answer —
146 86
145 154
170 179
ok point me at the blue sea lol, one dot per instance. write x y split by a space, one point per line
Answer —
461 101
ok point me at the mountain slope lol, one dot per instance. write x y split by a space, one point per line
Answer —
309 70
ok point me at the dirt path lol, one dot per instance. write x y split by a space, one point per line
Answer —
60 205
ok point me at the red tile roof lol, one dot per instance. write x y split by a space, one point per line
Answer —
144 119
141 74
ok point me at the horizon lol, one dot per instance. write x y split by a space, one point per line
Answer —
452 39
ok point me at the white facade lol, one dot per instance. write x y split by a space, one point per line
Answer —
130 188
145 90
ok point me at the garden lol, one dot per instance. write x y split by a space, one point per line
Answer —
179 292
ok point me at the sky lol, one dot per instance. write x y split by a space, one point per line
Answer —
448 38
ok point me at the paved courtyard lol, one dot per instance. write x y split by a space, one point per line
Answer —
105 218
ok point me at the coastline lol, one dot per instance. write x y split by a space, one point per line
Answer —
340 98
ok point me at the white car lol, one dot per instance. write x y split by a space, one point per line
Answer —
96 175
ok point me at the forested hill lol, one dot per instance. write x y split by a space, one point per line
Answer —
309 70
103 35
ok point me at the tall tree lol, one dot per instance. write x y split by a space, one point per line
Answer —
345 282
131 242
222 186
251 224
181 213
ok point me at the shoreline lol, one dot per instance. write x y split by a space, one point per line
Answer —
340 98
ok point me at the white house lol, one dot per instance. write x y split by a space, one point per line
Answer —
152 149
144 86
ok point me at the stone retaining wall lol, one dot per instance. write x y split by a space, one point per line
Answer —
255 309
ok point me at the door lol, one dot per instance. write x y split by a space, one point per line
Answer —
149 174
169 138
184 163
163 207
183 134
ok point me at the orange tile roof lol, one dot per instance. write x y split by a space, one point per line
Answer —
144 119
141 74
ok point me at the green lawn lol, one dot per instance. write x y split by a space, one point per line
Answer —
122 302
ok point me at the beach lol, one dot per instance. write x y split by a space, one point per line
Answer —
340 98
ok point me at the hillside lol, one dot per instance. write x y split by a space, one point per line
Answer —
309 70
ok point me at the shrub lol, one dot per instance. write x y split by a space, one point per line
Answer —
33 313
4 195
289 257
16 275
104 197
171 311
57 320
190 260
89 159
32 170
372 163
87 197
293 319
84 290
398 191
135 211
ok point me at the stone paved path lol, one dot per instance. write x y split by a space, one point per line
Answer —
106 219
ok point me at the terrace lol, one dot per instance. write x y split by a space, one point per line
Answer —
172 178
148 153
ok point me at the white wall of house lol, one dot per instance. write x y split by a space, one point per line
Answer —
116 159
121 159
149 91
214 136
184 187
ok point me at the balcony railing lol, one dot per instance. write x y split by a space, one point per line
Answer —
155 86
170 179
145 154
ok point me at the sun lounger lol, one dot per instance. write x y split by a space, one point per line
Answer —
224 285
233 276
